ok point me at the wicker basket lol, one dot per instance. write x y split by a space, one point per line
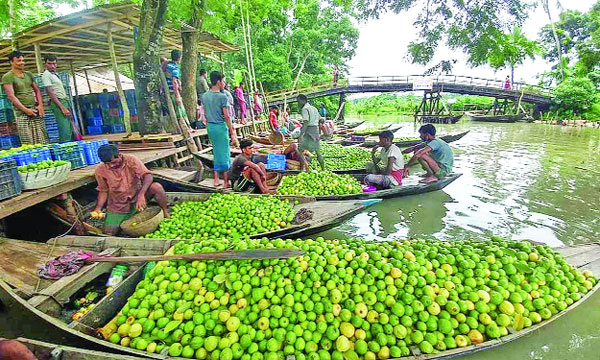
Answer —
144 222
45 177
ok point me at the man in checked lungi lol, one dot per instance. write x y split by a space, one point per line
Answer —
26 98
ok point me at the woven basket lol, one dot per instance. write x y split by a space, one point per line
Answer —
145 222
46 177
293 164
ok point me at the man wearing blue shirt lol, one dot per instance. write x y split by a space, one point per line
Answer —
172 75
434 155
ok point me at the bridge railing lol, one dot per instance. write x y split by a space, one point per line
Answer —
408 80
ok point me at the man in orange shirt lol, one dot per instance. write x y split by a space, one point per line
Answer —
126 184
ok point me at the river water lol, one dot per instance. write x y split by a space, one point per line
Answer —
519 181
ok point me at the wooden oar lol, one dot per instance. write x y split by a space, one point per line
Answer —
221 255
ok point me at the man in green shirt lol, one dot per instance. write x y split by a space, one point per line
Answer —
26 98
434 154
58 98
309 134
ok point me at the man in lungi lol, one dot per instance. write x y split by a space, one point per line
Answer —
26 98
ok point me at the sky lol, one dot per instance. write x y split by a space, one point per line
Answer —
382 47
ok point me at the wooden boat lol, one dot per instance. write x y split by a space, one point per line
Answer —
391 127
452 119
497 118
352 126
19 317
411 186
407 143
266 141
45 350
327 214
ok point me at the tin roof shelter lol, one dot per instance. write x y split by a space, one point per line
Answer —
81 39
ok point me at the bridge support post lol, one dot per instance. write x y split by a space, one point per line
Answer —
341 107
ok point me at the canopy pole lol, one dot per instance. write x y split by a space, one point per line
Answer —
77 98
38 58
222 64
113 59
88 80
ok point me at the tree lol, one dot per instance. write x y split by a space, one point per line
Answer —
546 7
574 96
17 15
512 49
146 62
189 58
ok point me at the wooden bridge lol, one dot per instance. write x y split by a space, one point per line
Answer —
464 85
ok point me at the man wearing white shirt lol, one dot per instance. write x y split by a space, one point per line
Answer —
387 169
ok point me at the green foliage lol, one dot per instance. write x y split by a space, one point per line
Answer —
390 103
29 13
511 49
575 96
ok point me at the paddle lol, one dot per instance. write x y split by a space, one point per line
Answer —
221 255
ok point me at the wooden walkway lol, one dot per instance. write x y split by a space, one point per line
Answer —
77 178
464 85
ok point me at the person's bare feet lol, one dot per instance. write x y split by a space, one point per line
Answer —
226 185
217 183
166 213
429 180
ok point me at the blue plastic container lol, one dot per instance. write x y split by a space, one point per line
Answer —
91 152
117 128
97 113
73 153
9 141
95 121
94 130
276 162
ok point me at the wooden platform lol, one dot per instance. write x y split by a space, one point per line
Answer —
174 174
77 178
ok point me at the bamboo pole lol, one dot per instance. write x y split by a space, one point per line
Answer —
38 58
254 85
77 99
12 23
88 80
113 59
249 88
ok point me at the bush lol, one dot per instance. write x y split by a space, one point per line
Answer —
574 97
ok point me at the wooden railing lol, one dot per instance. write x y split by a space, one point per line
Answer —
407 80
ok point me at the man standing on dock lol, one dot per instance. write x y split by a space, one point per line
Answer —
309 134
126 184
172 71
26 98
58 98
434 155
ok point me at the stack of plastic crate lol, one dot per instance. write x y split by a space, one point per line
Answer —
69 151
8 131
10 182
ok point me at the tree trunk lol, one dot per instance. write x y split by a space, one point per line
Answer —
12 22
561 69
146 62
189 60
300 71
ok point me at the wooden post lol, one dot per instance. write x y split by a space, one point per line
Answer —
342 106
222 64
77 105
38 58
113 59
88 80
170 108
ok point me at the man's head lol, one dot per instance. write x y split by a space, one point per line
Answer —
427 132
302 100
246 147
109 154
274 109
386 138
16 60
217 79
51 62
203 72
175 55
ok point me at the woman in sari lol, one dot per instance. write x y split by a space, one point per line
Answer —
239 94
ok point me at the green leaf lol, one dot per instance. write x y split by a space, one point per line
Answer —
220 278
172 325
523 268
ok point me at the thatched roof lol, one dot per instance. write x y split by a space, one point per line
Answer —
81 38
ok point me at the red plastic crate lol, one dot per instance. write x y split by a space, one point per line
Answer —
8 129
